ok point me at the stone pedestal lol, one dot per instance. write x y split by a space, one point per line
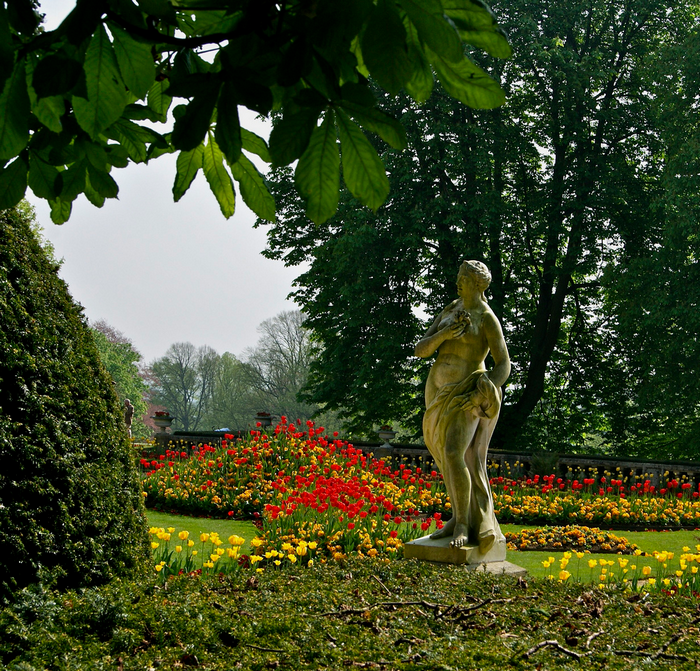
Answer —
440 550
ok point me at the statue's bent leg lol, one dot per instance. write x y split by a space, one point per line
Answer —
457 438
484 524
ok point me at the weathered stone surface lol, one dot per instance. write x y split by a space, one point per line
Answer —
441 550
499 568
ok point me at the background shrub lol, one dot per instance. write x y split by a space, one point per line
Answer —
70 504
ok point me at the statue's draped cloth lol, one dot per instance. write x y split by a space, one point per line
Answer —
443 414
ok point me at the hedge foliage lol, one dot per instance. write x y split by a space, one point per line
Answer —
71 513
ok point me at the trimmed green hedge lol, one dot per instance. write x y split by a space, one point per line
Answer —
71 512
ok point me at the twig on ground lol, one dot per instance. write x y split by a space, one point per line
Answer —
259 647
595 634
659 654
557 646
386 589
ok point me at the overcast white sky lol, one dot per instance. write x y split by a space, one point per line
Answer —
164 272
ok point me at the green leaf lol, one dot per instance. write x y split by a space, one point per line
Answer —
207 22
14 114
97 155
218 177
477 26
256 145
133 138
102 182
372 119
47 110
363 170
420 86
253 189
137 112
188 165
228 127
55 75
43 178
60 210
290 136
117 155
135 61
73 181
158 100
434 30
161 9
384 47
467 83
317 173
7 54
106 93
95 198
127 134
13 182
190 129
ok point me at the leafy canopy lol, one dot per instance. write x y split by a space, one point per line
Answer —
83 99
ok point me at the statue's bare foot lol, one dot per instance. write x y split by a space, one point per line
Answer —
445 531
460 536
486 542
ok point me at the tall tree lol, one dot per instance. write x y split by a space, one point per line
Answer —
121 360
545 190
184 382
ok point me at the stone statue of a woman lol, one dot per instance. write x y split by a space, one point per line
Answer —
463 401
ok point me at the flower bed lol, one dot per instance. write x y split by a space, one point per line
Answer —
558 539
302 485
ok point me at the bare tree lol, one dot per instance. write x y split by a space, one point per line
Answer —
184 379
278 365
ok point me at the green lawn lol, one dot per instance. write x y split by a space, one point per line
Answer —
669 541
648 541
198 525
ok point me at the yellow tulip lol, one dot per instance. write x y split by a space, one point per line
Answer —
183 535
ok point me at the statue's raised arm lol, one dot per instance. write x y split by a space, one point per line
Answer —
463 401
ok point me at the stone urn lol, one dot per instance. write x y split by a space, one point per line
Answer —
265 419
163 422
386 434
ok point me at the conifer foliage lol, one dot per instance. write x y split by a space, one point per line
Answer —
70 504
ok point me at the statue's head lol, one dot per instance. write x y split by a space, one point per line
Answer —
476 271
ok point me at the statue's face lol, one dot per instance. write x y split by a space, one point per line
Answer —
465 284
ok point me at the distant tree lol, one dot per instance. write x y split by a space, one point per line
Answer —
233 402
278 366
122 360
184 381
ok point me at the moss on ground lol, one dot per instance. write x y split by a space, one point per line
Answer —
405 615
